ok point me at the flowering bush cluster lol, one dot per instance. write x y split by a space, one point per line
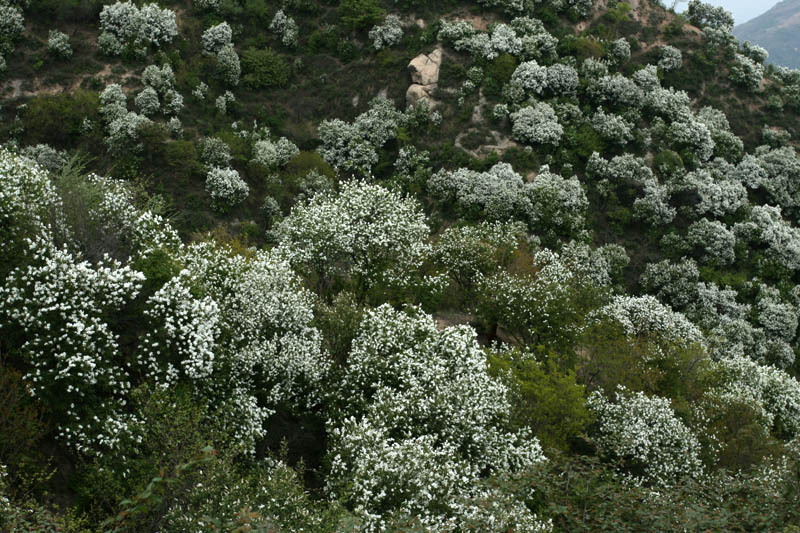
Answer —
274 154
12 25
536 124
746 72
58 44
365 232
218 41
215 152
611 127
419 421
387 34
226 187
705 15
618 51
524 37
125 26
353 146
46 156
286 27
644 432
671 58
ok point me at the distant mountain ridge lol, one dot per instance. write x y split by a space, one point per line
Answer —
777 30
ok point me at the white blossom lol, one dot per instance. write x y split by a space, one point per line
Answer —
387 34
226 187
58 44
123 24
671 58
536 124
644 432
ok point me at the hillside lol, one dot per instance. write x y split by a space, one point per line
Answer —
777 30
369 265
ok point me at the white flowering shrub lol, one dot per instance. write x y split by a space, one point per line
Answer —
726 144
716 241
418 421
755 52
777 172
58 44
622 169
124 25
775 136
562 80
693 135
138 230
216 37
618 51
613 128
766 227
60 307
670 58
274 154
705 15
226 187
286 28
161 79
215 152
46 157
27 199
530 76
467 253
536 124
616 90
173 102
774 391
123 134
207 5
746 72
720 40
538 308
654 207
644 432
645 315
222 101
557 205
537 42
147 101
716 196
200 91
352 147
525 37
12 26
268 355
113 104
229 65
500 111
593 69
647 78
497 194
387 34
366 232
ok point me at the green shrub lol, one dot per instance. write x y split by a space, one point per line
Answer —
263 68
544 398
57 119
355 15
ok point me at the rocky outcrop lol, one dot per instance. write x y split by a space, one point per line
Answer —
424 71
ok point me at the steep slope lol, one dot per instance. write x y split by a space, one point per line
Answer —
777 30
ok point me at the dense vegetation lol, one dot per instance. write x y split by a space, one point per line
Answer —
252 281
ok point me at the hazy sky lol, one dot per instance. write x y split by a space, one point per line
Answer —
743 10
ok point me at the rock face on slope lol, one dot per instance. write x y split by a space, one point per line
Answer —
424 71
777 30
